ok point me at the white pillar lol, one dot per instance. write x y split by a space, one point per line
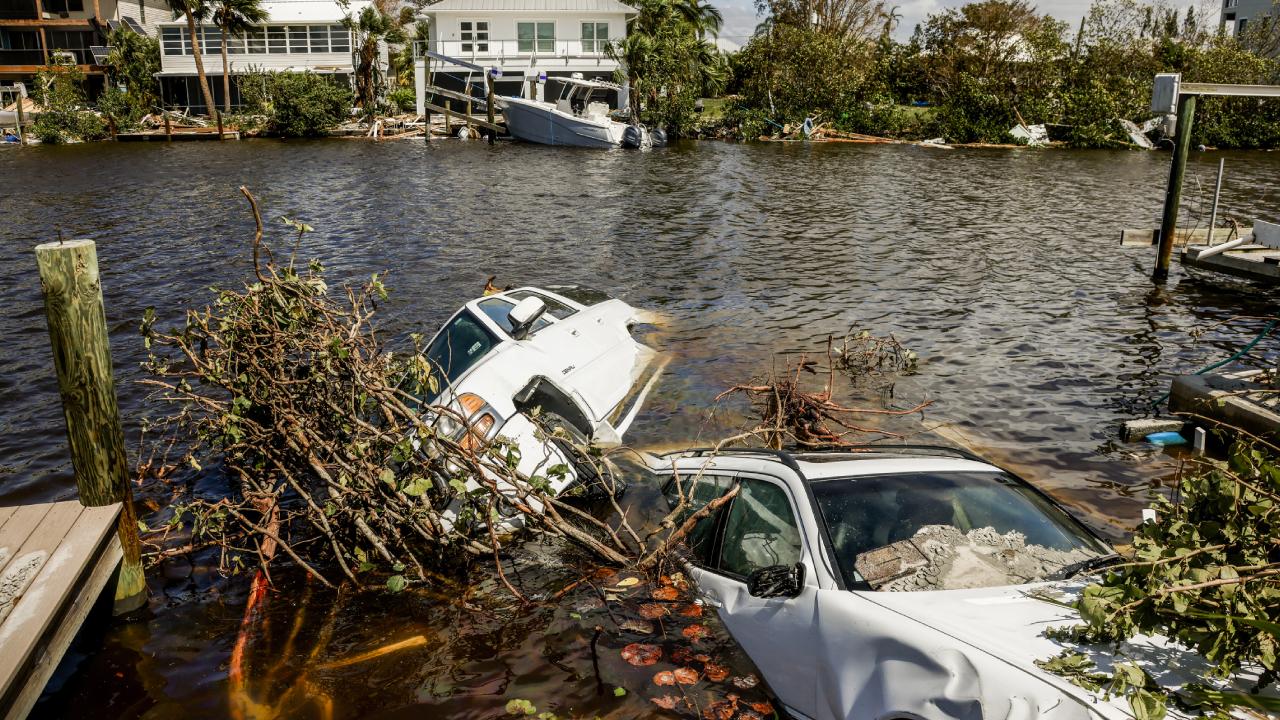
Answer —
420 86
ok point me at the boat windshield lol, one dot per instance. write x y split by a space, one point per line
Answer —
458 347
948 530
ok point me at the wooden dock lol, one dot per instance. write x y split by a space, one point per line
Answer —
178 135
1251 261
1181 237
56 559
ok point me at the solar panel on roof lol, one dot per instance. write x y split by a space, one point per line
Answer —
114 24
134 26
99 53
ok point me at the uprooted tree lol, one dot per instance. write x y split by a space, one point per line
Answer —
335 458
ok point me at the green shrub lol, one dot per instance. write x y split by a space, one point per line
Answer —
59 91
296 104
404 99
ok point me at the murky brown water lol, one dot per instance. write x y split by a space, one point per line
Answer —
1037 334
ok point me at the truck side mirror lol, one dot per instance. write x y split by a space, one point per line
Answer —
524 315
776 581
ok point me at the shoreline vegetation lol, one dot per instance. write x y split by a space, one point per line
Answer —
965 76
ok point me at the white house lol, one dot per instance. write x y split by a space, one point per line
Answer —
298 36
1237 14
524 39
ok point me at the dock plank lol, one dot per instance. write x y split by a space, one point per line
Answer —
76 539
5 514
15 532
66 627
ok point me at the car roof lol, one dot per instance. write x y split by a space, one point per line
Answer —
855 462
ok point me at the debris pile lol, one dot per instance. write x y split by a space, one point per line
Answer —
942 557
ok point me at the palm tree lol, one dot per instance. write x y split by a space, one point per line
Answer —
370 28
195 11
234 17
703 16
892 18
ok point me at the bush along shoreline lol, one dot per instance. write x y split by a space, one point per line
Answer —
970 74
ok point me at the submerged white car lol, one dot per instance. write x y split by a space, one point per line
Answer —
565 354
889 583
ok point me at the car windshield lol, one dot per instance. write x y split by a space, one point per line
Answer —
948 531
499 311
555 308
458 347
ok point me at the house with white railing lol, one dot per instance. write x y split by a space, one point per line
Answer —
298 36
525 40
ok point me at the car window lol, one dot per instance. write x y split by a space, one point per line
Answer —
555 308
698 491
499 310
937 517
760 530
581 295
459 346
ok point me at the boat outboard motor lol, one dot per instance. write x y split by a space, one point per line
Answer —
658 136
632 138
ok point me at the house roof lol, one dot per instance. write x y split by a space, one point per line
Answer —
587 6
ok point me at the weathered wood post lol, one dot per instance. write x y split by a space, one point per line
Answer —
82 358
1173 194
168 129
489 82
448 114
22 134
219 114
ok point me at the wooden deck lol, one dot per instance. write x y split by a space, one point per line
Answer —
1255 262
55 561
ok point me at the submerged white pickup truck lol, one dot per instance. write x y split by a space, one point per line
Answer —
567 354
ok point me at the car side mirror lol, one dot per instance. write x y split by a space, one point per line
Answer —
524 315
776 581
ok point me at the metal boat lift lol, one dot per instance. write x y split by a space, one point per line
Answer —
1170 95
423 86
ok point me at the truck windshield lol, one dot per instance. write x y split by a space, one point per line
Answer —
458 347
948 530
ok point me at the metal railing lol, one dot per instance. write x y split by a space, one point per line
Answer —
516 50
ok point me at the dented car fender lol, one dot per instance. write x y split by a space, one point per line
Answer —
875 663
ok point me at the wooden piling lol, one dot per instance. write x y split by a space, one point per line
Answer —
489 83
22 134
168 129
219 115
1173 194
82 359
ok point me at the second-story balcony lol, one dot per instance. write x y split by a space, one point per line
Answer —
515 52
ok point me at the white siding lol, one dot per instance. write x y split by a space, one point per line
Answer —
567 51
148 13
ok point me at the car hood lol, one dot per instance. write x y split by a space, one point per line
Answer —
1009 623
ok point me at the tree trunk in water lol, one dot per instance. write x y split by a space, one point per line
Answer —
204 81
226 75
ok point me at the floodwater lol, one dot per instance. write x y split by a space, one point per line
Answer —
1037 335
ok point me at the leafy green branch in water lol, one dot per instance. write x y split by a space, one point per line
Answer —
1205 575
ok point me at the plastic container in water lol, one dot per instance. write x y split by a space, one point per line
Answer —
1164 439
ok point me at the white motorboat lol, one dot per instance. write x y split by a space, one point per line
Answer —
577 118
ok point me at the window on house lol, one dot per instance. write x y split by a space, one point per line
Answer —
1243 23
236 44
297 39
61 6
536 37
277 39
210 41
595 37
174 41
256 41
475 35
339 38
319 38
